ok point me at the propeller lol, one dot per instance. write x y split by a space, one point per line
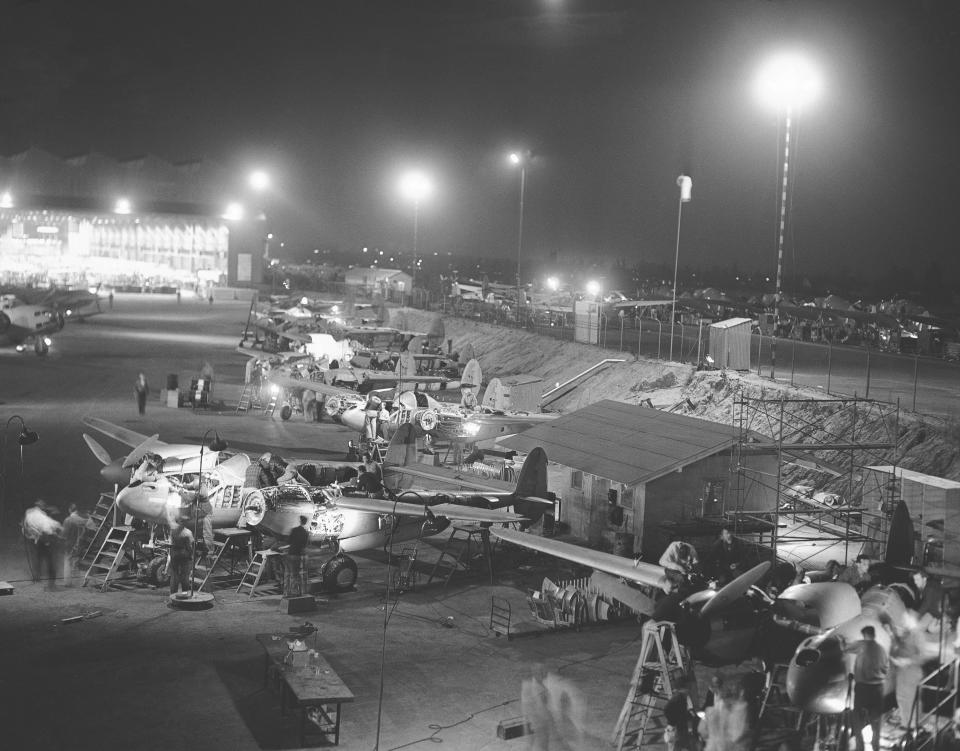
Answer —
134 457
98 451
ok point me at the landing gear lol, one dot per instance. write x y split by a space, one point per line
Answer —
40 346
286 411
159 572
339 574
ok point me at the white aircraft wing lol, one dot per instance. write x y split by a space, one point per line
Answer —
448 510
286 382
126 436
626 568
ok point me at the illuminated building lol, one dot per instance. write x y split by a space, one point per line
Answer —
142 221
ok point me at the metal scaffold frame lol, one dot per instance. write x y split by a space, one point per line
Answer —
837 439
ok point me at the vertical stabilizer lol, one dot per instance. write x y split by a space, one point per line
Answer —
532 482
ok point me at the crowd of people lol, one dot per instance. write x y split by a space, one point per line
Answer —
50 541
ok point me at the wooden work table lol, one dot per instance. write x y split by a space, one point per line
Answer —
315 688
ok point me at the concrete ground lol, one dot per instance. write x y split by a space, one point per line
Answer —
142 675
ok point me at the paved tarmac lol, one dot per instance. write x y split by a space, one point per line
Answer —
141 675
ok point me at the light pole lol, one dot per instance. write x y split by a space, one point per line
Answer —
199 599
787 82
686 185
415 186
520 160
26 438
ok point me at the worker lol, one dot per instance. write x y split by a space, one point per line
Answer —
726 556
680 562
869 674
468 400
371 418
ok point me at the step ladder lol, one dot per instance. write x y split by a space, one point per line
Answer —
255 571
103 516
456 553
249 398
500 616
228 544
108 558
662 668
272 404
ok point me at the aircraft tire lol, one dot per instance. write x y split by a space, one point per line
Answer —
159 573
339 574
285 412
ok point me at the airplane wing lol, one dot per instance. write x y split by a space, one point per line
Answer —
286 382
626 568
448 510
126 436
384 376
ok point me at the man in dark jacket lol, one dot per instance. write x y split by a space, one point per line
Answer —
297 561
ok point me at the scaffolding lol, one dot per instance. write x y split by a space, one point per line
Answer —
823 449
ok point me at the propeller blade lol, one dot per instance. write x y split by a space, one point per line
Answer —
98 451
134 457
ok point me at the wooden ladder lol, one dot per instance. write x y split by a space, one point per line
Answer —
249 398
456 549
108 557
255 571
103 516
229 540
660 670
272 404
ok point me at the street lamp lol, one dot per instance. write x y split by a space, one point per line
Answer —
217 444
27 437
519 159
786 83
259 180
686 185
415 186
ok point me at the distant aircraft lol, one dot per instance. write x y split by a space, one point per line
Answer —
73 304
340 522
28 325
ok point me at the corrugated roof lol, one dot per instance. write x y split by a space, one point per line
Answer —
730 323
625 442
908 474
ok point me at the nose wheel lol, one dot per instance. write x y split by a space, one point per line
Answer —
339 574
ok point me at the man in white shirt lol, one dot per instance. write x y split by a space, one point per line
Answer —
43 531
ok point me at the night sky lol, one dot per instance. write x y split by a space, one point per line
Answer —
614 98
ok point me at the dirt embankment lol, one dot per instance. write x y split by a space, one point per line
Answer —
923 443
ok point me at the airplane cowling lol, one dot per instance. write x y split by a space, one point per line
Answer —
334 406
254 508
4 323
426 420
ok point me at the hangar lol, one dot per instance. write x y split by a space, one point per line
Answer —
141 222
623 471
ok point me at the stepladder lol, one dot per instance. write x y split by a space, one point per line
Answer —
661 670
107 561
260 566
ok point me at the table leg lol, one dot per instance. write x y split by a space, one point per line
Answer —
266 671
336 727
303 726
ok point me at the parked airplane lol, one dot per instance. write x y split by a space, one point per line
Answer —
344 523
25 325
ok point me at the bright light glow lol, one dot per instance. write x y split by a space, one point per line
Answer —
122 206
234 212
515 158
415 186
304 301
788 81
593 287
471 428
553 283
259 180
6 200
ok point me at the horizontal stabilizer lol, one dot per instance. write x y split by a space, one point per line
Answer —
448 510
